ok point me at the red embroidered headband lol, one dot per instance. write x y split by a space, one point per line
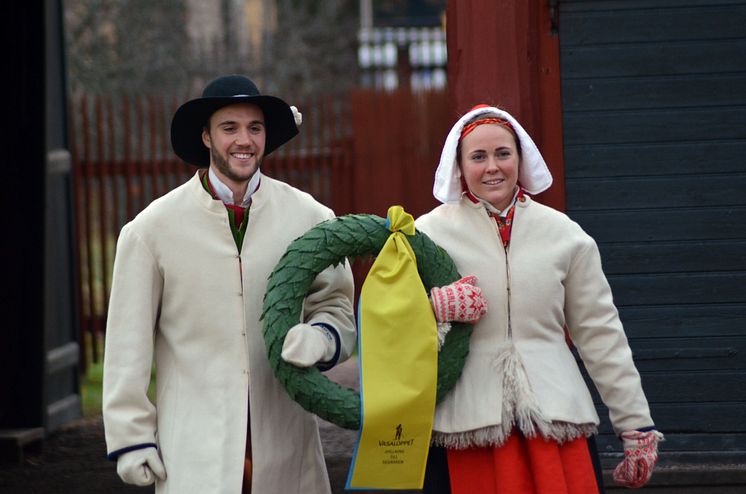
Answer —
492 120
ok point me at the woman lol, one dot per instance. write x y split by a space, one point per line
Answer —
519 417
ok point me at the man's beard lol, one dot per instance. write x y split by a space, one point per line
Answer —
224 167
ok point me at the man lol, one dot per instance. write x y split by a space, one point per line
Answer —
189 279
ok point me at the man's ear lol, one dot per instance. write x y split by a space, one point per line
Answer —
206 139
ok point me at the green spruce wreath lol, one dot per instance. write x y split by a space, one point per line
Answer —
327 244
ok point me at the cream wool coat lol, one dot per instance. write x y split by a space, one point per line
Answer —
553 270
183 295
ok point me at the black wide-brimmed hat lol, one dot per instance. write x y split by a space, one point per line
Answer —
191 117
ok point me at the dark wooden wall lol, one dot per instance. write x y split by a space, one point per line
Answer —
38 348
23 162
654 100
61 328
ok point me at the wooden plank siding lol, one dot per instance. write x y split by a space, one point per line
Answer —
654 118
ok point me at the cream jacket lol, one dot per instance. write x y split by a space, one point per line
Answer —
550 277
186 300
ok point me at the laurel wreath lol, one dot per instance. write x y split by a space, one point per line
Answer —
329 244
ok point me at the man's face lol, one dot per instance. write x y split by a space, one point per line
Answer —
236 137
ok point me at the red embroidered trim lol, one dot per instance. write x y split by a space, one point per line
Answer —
505 225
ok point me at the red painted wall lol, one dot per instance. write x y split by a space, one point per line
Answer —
397 141
504 53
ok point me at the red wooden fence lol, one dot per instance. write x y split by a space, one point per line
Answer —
121 162
355 153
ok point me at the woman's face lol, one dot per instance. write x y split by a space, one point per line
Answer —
489 164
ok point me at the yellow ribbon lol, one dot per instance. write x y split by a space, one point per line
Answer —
398 352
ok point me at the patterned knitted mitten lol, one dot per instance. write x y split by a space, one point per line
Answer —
461 301
640 457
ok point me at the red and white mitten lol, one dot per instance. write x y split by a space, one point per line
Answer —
461 301
640 457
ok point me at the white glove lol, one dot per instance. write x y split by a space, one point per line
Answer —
141 467
297 116
307 345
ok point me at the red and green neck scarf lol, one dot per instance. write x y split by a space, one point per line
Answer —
238 216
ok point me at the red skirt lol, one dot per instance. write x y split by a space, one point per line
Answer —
524 466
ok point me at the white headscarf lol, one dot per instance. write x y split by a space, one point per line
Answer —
533 173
